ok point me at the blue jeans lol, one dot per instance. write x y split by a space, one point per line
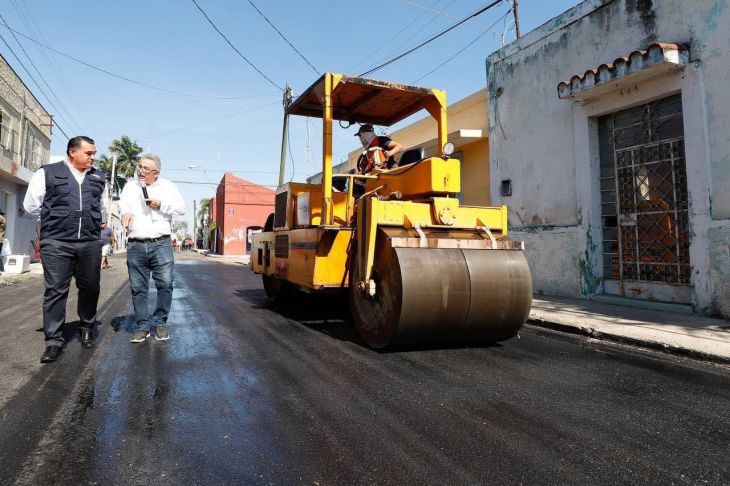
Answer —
143 259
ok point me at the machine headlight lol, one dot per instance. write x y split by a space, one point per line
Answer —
448 148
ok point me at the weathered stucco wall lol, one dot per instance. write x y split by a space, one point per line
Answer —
550 253
548 146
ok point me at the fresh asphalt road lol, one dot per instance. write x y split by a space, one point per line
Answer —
246 394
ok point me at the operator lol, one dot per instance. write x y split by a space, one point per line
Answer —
378 154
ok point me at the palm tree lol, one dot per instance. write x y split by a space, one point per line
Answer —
127 152
105 163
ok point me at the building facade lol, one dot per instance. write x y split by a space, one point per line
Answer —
25 141
240 208
609 141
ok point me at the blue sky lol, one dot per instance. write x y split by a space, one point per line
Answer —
169 44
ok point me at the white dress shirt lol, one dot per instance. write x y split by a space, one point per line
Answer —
148 222
37 191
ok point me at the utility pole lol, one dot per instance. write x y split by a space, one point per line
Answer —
516 12
111 188
285 133
195 225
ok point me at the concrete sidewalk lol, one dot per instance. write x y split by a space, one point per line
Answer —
669 331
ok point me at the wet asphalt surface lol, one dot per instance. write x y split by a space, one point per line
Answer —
244 393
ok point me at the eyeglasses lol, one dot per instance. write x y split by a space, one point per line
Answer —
145 169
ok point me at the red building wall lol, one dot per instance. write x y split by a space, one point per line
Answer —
239 205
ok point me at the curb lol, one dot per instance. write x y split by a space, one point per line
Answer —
641 343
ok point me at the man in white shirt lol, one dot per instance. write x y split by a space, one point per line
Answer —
147 205
71 199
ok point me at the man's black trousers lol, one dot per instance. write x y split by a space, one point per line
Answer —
62 260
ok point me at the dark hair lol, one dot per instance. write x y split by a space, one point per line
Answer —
75 143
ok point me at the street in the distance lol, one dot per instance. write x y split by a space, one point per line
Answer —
244 393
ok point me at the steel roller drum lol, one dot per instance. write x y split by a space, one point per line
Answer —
443 295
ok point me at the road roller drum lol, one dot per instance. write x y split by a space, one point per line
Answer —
442 294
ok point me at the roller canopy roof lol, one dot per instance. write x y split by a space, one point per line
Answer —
364 100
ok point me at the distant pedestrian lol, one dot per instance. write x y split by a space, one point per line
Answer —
71 198
107 240
2 238
147 206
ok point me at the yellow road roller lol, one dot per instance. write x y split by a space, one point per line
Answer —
418 266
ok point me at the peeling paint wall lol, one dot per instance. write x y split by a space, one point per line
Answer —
547 146
549 253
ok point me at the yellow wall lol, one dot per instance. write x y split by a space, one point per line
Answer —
475 173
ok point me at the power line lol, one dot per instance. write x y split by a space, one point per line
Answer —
431 39
32 27
422 29
33 79
234 47
464 48
436 12
395 36
40 75
282 36
129 80
209 121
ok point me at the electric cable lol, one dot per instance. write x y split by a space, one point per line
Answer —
40 75
209 121
394 36
431 39
32 27
423 27
215 27
463 48
282 36
441 12
129 80
34 81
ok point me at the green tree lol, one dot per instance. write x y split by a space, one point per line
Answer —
127 152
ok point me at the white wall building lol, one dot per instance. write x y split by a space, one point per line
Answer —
610 142
25 141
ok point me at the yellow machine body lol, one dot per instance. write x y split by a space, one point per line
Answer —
418 265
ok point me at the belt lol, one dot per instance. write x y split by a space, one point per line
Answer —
150 240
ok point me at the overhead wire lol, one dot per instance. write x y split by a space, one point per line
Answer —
464 48
34 81
394 36
32 27
40 75
129 80
215 27
432 38
399 46
285 39
209 121
441 13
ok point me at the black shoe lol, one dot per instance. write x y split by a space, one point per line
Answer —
51 354
87 338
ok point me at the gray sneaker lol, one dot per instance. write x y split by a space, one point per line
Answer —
161 333
139 336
